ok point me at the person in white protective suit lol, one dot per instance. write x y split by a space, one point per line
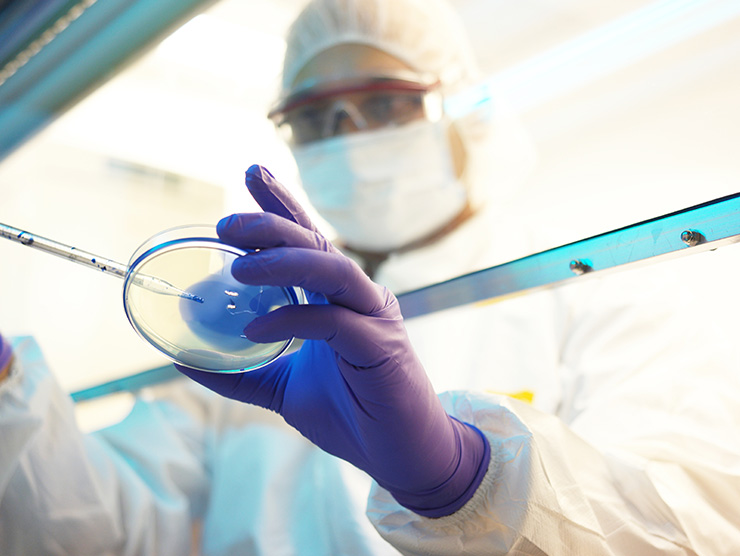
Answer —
622 442
618 450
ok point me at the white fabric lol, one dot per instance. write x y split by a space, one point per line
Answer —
251 484
630 445
378 202
427 35
661 475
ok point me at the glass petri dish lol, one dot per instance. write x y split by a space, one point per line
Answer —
179 296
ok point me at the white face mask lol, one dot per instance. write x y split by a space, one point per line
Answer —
385 188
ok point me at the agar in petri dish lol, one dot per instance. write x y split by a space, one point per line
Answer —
205 330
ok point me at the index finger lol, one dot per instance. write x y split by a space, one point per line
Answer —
274 198
261 230
339 278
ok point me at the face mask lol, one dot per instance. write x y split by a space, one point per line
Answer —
386 188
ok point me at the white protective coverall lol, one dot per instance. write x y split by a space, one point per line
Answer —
629 446
189 472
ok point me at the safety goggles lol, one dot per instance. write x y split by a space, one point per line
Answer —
351 105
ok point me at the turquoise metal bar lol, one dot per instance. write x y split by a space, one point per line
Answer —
692 230
706 226
93 40
131 383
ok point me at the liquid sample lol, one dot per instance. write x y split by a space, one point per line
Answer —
208 335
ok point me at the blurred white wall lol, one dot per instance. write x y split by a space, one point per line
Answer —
100 205
645 124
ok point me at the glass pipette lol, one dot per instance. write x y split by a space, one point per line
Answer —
92 261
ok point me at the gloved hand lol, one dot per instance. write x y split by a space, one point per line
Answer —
6 354
355 388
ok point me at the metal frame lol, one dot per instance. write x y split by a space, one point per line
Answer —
132 383
73 53
692 230
698 228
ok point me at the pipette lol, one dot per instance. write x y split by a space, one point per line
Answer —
107 266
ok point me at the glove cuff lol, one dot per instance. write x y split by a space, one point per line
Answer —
453 494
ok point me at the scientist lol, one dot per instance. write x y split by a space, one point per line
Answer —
615 454
382 161
626 447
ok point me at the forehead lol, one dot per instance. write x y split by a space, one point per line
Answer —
344 61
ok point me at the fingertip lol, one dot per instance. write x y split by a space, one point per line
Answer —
263 330
233 229
254 168
243 267
225 224
258 176
251 331
254 179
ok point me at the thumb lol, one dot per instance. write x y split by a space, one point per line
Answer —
264 387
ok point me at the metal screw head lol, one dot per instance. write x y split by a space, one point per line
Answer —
692 237
579 267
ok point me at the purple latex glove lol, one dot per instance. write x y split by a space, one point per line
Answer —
355 388
6 352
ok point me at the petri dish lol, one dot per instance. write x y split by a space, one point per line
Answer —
179 296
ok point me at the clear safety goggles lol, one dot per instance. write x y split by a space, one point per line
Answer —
351 105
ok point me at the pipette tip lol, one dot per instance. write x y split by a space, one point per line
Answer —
194 298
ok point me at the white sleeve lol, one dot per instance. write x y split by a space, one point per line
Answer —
642 457
548 491
64 492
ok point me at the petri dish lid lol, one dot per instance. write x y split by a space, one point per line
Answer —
179 296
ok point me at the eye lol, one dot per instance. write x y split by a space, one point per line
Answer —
306 123
308 116
378 108
393 108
